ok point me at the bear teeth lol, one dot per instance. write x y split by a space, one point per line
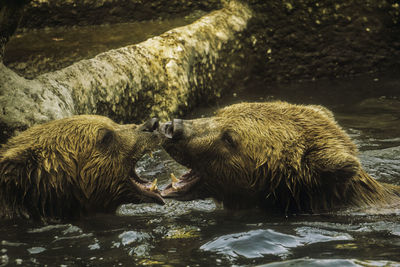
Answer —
153 186
174 181
173 178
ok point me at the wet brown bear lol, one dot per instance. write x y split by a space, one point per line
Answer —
74 166
279 156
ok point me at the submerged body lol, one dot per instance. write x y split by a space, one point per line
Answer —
278 156
74 166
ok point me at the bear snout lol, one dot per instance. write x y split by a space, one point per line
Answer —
172 129
150 125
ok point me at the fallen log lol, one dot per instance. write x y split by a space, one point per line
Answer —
161 76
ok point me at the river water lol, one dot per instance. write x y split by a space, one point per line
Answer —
30 53
202 233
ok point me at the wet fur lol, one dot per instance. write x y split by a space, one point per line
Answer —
283 157
69 167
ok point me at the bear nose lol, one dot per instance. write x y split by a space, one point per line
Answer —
172 129
178 128
150 125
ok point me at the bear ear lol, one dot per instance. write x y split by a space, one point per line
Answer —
230 138
105 137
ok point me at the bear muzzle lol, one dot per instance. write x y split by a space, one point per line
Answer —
172 129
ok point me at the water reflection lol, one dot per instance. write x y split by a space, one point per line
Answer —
330 262
383 163
257 243
43 50
171 208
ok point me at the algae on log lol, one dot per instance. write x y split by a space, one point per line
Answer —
158 77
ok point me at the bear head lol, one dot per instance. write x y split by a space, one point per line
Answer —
74 166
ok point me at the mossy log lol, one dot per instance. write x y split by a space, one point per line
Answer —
161 76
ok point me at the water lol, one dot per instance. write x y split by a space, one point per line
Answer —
202 233
39 51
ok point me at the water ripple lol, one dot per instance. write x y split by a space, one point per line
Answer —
383 163
307 262
257 243
36 250
172 208
129 237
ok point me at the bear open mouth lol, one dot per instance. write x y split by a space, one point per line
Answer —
185 187
148 191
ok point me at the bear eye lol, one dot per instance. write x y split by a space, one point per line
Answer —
105 136
228 139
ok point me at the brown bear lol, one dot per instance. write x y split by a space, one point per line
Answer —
75 166
279 156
